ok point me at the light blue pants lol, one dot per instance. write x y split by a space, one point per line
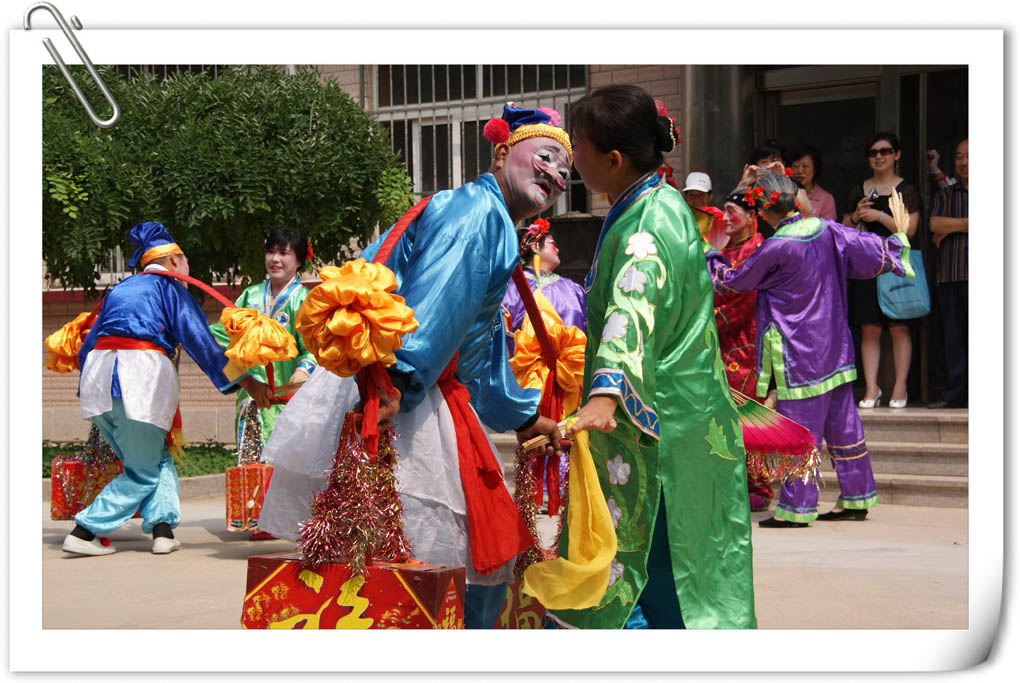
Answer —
147 484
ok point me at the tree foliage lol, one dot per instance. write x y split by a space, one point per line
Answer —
218 161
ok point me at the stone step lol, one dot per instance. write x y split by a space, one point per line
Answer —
917 457
905 489
915 425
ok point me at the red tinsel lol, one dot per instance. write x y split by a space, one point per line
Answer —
357 517
496 131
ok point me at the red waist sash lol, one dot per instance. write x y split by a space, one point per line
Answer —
128 343
496 530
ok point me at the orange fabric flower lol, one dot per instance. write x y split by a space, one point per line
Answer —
352 319
568 343
63 345
255 339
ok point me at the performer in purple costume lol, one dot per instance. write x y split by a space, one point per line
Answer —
803 338
541 257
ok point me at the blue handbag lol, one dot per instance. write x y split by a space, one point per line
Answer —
904 298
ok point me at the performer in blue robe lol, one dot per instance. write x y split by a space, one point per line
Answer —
452 266
129 389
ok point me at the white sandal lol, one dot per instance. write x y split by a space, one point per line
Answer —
874 402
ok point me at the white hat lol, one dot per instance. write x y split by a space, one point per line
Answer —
698 181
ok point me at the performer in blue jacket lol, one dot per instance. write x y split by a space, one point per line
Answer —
129 389
452 266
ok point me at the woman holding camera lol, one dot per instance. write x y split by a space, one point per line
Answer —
871 213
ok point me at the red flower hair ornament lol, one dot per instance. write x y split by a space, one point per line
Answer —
752 196
310 253
534 233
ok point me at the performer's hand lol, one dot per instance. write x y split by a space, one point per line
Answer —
389 406
597 413
298 376
549 428
259 392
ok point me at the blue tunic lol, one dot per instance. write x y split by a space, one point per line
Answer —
452 266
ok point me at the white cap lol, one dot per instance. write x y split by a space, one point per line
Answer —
698 181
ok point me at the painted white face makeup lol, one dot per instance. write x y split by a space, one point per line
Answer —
535 172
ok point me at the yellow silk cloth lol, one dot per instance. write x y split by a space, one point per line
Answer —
580 579
63 345
352 319
568 343
255 339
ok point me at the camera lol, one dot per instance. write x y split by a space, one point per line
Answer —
873 195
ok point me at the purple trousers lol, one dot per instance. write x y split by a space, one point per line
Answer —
833 416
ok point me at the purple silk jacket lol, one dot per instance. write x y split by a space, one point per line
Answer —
801 312
565 295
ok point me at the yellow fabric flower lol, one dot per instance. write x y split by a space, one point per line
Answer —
568 343
352 319
580 579
255 339
63 345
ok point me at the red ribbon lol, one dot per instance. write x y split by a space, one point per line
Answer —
551 405
373 378
496 530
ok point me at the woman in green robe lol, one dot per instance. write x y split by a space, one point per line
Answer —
665 433
279 297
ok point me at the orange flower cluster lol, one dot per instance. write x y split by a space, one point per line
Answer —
63 345
352 319
255 339
568 343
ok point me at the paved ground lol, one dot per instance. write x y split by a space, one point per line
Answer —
904 568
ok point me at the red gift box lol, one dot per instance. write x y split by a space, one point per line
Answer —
519 610
75 484
282 593
245 492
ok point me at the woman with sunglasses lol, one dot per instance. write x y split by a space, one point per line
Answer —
871 213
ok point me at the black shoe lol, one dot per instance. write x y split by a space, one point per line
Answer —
942 405
773 523
834 516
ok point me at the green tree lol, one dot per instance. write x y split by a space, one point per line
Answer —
218 161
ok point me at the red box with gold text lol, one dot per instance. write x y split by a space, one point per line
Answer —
282 593
246 487
75 484
520 611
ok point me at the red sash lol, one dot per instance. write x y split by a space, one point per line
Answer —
497 531
551 405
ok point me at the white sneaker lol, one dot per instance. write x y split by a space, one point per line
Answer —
73 544
162 545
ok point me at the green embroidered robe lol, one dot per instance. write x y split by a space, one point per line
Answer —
653 345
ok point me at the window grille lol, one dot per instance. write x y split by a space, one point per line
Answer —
435 115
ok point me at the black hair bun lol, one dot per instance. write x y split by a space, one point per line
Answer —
665 135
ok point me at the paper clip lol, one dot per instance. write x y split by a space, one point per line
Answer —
107 123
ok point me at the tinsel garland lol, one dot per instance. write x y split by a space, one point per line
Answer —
525 497
772 467
249 445
96 452
358 517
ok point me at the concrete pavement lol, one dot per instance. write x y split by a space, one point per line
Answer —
904 568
